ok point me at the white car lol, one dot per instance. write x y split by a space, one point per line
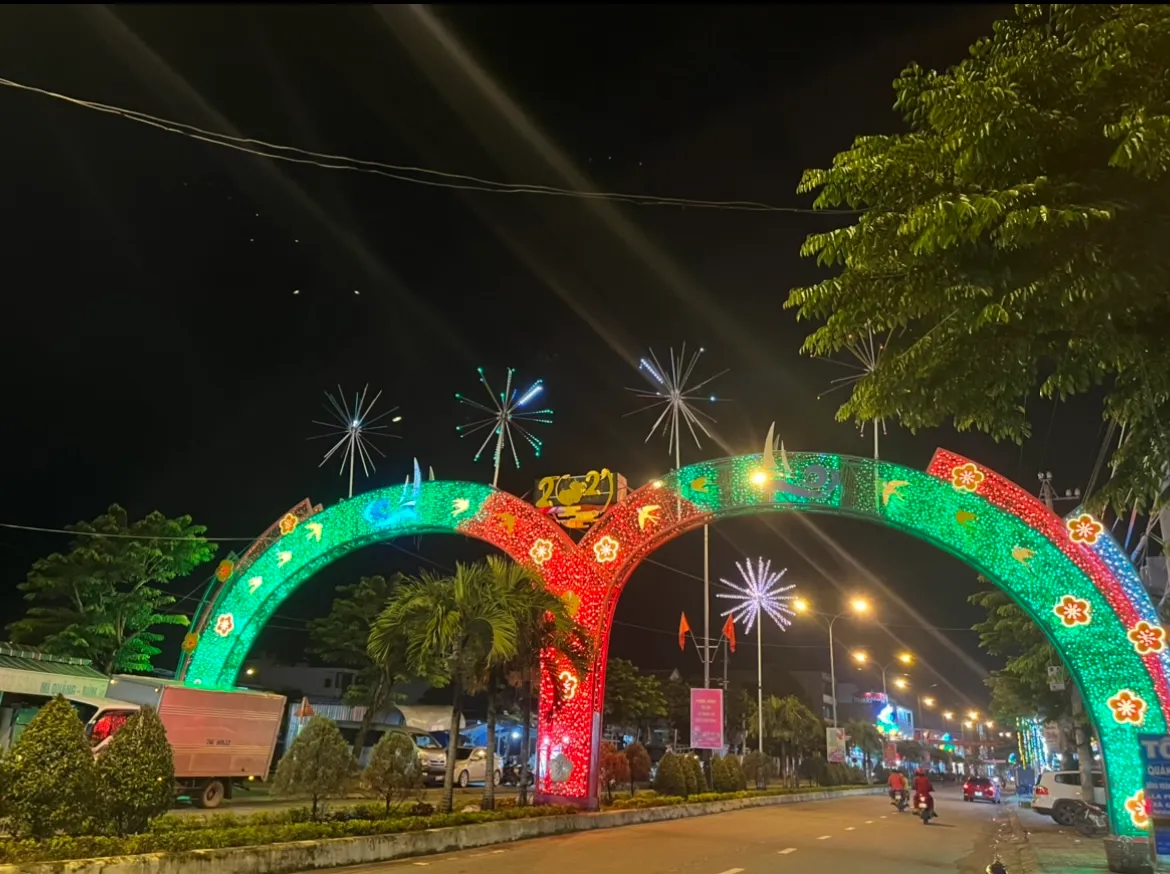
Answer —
473 769
1057 794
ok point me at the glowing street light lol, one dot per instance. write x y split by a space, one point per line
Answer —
972 715
857 606
948 715
861 657
906 658
902 683
929 702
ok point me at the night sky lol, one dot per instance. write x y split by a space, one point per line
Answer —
155 354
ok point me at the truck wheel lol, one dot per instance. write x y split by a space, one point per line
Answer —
210 795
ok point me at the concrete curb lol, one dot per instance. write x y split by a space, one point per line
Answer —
1029 861
339 852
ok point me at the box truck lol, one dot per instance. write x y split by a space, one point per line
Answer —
218 737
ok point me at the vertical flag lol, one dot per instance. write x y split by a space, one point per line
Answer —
729 632
684 628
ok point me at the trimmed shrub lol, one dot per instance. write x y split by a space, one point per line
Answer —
319 764
690 784
614 769
695 765
50 782
670 779
723 775
394 773
136 774
639 765
757 768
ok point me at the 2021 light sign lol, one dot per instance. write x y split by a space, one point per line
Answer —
1069 575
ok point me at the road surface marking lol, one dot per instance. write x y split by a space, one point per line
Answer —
787 850
848 828
731 871
824 837
881 817
869 822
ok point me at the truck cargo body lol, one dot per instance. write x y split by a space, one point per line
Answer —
217 737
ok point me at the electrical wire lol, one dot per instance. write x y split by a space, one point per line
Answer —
441 179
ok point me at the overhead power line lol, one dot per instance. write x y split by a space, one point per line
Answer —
399 172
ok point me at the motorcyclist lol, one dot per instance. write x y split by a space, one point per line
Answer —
897 783
924 789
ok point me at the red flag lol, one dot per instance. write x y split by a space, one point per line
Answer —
684 628
729 632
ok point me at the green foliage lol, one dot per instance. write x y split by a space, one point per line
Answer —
677 696
670 779
735 770
697 778
319 764
632 699
340 639
1020 689
394 772
101 599
911 751
639 761
49 777
757 768
722 777
691 784
457 629
865 736
1012 243
183 834
136 774
615 769
789 726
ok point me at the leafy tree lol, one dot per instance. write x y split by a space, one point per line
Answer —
319 764
735 769
1011 244
456 628
678 708
722 778
865 736
544 627
340 639
632 700
615 768
791 731
639 761
394 773
911 751
136 774
740 705
49 777
102 599
670 779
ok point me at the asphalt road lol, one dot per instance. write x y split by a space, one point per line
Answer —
859 835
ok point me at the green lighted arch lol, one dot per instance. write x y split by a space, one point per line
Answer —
997 529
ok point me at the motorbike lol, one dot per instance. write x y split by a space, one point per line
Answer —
922 807
901 800
510 774
1090 820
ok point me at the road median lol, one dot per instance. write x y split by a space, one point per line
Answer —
285 858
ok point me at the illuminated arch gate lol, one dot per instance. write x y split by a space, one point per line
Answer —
1071 576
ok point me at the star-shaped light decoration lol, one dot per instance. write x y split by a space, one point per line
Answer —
759 593
352 427
506 416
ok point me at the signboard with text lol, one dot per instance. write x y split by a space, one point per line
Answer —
1155 749
835 745
707 719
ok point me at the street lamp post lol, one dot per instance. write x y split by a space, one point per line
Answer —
857 606
904 659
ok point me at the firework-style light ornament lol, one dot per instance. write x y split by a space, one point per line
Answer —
867 350
760 593
670 389
354 427
506 414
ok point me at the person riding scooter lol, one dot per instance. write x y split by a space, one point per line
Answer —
897 786
924 789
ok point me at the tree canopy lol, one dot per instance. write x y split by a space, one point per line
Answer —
102 598
1011 244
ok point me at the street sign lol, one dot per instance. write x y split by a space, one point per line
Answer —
1155 749
835 745
707 719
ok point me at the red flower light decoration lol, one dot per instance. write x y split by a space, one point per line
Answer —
1128 708
224 570
1074 611
967 477
225 624
1147 638
1084 529
288 524
1138 811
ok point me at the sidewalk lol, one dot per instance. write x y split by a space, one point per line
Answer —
1047 848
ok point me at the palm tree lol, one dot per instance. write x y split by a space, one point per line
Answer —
544 626
455 627
865 736
789 728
